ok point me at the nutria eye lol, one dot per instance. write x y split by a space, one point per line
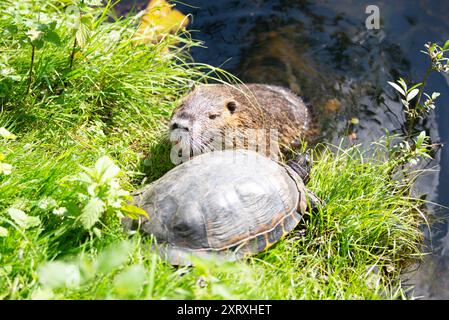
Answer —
231 105
213 116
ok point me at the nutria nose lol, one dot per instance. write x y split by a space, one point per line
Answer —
176 125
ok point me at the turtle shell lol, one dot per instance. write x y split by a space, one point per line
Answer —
226 203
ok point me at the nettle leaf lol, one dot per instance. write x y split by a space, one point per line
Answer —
92 189
85 177
82 36
113 257
3 232
42 294
106 169
115 203
397 88
38 43
92 212
52 25
34 35
57 274
12 29
130 281
84 30
22 219
52 37
133 212
115 193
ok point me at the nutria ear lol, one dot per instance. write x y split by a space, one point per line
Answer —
231 105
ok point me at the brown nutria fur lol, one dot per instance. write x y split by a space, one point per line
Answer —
209 110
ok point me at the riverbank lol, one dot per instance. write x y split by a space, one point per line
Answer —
69 103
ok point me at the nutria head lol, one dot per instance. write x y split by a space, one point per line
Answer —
202 116
220 116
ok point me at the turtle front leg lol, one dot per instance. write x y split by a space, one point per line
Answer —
313 202
308 201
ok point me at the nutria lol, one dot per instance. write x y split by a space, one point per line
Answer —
211 111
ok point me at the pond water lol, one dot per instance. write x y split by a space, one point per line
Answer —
323 51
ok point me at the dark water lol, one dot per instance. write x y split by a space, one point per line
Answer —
323 51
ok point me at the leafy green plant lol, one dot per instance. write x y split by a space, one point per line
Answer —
72 274
402 152
411 98
81 19
439 62
412 147
99 193
22 219
37 34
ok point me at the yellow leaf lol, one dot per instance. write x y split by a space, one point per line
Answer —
133 212
160 18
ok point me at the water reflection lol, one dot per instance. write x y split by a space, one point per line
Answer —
322 50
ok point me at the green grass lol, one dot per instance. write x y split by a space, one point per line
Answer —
115 100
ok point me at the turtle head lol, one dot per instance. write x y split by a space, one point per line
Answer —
302 164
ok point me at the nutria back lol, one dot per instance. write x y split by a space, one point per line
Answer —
245 112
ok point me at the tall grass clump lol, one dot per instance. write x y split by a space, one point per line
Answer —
76 85
354 247
82 118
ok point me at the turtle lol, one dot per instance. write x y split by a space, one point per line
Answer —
224 204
